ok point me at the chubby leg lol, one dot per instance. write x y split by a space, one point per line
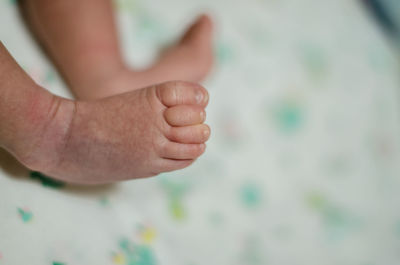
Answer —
132 135
80 37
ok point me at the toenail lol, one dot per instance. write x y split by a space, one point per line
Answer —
199 96
206 98
203 115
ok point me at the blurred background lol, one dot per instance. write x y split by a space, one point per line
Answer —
303 165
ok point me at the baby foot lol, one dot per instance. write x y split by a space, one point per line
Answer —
190 60
133 135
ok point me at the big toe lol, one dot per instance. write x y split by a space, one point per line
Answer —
176 93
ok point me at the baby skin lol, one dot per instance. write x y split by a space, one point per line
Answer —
124 124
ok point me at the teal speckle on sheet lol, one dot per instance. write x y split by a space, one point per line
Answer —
337 222
224 53
175 192
314 59
25 214
58 263
47 181
250 195
133 254
288 116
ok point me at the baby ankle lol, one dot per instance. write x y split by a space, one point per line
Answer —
42 147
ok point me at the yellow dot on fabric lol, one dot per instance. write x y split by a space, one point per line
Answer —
119 258
148 235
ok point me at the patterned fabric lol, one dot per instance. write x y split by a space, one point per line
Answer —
302 166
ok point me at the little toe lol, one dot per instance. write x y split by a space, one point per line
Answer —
172 150
184 115
195 134
167 165
180 92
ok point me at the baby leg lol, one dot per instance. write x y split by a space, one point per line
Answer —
80 37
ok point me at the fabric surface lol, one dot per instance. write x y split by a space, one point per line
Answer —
302 167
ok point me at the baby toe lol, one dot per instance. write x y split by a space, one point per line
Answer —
195 134
172 150
184 115
182 93
166 164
